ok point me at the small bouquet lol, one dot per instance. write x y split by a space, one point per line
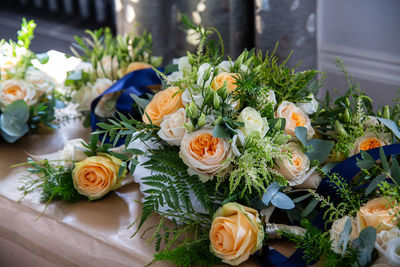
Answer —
106 59
27 98
80 170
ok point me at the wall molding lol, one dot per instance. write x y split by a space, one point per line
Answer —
365 64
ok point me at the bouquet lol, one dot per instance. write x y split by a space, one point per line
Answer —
27 98
106 59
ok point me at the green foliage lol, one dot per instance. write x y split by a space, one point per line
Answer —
197 251
54 182
25 34
42 114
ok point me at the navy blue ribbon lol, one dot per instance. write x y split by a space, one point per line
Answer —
137 83
346 169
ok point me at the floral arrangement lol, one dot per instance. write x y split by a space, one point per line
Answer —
27 98
80 170
106 59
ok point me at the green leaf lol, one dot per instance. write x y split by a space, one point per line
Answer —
310 207
301 134
367 162
299 199
319 149
391 125
374 183
141 102
43 58
345 234
395 170
383 159
14 120
220 132
171 68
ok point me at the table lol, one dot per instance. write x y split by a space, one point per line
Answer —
79 234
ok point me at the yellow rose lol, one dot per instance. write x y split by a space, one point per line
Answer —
95 176
337 229
294 117
369 141
204 154
13 90
137 66
376 213
163 103
222 78
236 233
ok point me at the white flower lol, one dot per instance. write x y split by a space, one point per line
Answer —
225 66
371 121
392 251
13 90
84 96
100 86
172 129
271 98
188 97
175 76
184 65
253 122
309 107
294 117
40 79
7 65
72 151
337 229
297 169
205 155
200 74
369 141
105 108
108 67
383 238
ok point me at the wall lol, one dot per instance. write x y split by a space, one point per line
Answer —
366 34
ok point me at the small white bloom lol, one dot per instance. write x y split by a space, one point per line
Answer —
309 107
175 76
225 66
253 122
184 65
72 151
271 98
172 129
200 74
188 97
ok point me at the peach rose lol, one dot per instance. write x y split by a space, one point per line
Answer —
204 154
164 102
369 141
222 78
172 129
137 66
13 90
294 117
376 213
296 169
236 233
95 176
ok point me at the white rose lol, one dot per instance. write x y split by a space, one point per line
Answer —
40 79
188 97
337 229
253 122
205 155
13 90
297 169
200 73
172 129
225 66
84 97
175 76
72 151
108 67
294 117
369 141
184 65
309 107
392 251
383 238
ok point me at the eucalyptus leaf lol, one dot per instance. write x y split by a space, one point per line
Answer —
366 161
141 102
374 183
319 149
395 170
391 125
383 159
282 201
220 132
301 134
43 58
345 234
310 207
271 191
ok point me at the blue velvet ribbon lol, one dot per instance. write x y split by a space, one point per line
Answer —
137 83
346 169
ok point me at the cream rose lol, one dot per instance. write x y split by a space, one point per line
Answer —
204 154
253 122
108 67
385 236
376 213
95 176
163 103
236 233
40 80
172 129
294 117
337 229
296 170
13 90
369 141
